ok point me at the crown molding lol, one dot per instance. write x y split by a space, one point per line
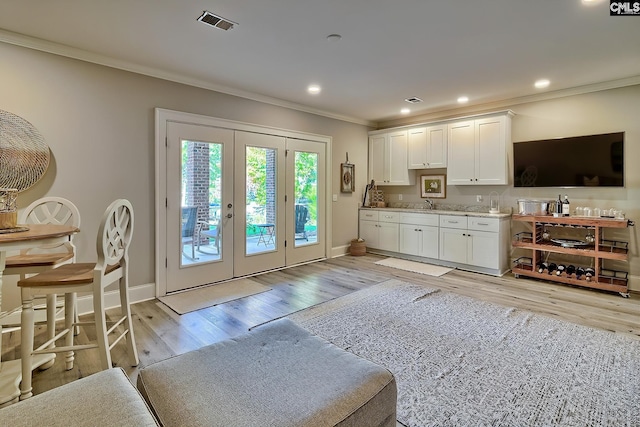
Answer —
83 55
29 42
508 103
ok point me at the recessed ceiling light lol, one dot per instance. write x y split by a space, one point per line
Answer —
405 111
314 89
334 37
542 83
463 100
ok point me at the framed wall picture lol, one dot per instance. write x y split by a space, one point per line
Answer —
347 178
433 186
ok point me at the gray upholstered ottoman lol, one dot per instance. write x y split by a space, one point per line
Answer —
276 375
106 398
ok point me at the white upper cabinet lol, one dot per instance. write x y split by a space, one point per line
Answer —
427 147
388 159
478 151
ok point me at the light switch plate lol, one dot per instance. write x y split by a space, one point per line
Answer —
335 197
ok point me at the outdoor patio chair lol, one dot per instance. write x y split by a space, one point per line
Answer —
189 229
302 216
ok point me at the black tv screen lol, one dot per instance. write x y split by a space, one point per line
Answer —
579 161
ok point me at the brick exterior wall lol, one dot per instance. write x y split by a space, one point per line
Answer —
197 191
271 186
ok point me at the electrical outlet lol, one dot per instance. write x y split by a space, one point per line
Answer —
335 197
400 197
479 198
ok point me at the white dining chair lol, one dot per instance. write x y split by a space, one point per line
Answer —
47 210
114 237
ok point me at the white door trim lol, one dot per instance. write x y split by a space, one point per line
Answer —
162 116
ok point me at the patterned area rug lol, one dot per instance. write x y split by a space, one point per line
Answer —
464 362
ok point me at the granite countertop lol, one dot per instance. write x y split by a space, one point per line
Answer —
462 210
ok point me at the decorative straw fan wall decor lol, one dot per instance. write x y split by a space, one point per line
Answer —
24 156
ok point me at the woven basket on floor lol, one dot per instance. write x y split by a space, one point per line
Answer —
358 247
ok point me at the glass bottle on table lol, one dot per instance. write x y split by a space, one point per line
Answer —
566 206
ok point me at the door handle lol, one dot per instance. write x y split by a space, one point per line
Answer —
229 205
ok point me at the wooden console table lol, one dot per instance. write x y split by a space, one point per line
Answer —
599 250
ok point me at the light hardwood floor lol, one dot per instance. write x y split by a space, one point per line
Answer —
160 333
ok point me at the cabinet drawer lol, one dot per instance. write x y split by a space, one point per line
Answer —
453 221
419 219
484 224
388 216
369 215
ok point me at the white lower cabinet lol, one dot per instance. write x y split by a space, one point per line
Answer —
419 234
476 241
379 229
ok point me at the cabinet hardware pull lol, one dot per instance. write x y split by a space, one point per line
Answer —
483 223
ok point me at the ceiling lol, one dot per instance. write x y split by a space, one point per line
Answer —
489 50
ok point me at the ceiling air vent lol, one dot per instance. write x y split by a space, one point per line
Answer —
413 100
216 21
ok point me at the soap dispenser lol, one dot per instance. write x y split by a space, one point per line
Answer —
494 203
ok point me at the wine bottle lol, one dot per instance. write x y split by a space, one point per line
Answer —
552 267
570 270
542 266
579 272
589 273
561 269
559 206
566 207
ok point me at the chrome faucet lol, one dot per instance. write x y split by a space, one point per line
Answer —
428 204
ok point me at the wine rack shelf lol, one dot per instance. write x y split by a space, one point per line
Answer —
542 246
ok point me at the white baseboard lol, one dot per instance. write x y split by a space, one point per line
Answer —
339 251
112 298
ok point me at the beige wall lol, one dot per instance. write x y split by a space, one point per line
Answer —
99 124
598 112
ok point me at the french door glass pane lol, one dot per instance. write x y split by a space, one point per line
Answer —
306 197
200 198
260 201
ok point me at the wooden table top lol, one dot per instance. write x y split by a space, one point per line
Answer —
37 232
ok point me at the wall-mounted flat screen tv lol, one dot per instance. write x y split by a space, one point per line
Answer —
579 161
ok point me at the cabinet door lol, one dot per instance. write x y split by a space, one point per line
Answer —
491 151
417 148
369 232
377 147
397 159
409 239
388 236
429 238
453 245
436 146
461 159
484 249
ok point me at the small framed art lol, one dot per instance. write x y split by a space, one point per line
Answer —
433 186
347 178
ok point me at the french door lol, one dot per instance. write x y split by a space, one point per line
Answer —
239 203
279 202
199 205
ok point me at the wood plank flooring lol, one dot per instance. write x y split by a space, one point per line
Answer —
160 333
